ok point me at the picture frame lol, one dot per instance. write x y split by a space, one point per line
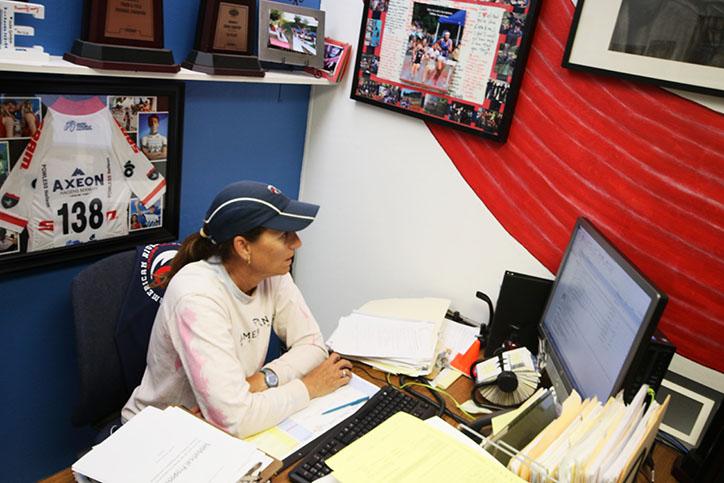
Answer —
696 393
459 64
336 57
291 35
84 209
636 40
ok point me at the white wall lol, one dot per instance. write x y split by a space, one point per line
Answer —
396 217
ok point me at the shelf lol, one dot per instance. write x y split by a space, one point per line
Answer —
57 65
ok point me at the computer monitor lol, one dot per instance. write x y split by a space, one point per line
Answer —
599 317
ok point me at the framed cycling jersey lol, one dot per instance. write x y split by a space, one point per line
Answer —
87 166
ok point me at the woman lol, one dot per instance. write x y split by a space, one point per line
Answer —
135 224
7 118
31 122
229 288
418 50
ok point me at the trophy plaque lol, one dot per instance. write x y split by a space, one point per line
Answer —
224 39
123 35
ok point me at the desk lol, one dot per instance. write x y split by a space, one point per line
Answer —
664 456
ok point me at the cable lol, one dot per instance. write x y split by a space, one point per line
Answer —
484 328
449 413
442 391
440 401
669 440
446 411
361 366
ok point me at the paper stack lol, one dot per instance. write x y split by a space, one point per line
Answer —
394 335
170 445
507 379
591 442
405 449
461 344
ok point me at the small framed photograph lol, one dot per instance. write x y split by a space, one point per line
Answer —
373 32
153 135
19 117
291 35
9 242
458 63
379 5
369 64
126 108
142 217
696 394
336 56
673 44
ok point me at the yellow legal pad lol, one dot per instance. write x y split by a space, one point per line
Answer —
406 449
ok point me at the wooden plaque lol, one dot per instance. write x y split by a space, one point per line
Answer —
225 26
136 23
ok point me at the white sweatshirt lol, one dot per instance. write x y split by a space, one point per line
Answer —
209 336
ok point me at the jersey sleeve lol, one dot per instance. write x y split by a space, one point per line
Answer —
141 175
16 193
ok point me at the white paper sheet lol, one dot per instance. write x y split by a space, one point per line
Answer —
170 446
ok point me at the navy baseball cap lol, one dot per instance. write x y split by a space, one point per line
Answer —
245 205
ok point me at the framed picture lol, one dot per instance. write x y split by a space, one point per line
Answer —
696 393
19 117
666 42
77 183
291 35
153 135
125 109
336 56
457 63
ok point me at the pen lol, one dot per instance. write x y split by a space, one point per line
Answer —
351 403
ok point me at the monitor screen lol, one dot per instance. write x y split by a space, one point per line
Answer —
600 309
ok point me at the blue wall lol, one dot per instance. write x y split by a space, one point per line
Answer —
231 131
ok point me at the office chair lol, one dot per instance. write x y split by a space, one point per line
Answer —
97 295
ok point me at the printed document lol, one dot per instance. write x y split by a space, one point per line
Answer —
170 446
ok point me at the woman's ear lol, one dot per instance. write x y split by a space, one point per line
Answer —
242 247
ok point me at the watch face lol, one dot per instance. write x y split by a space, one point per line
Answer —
270 378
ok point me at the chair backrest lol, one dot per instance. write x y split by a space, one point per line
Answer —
97 294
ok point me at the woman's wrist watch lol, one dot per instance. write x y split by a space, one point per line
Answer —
270 377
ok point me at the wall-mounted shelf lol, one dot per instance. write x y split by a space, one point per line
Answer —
57 65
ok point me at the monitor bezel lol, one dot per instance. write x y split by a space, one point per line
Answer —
657 303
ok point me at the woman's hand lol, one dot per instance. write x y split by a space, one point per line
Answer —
256 382
332 373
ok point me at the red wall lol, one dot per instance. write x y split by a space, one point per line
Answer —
644 165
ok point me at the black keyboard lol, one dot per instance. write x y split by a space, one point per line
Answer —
381 406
